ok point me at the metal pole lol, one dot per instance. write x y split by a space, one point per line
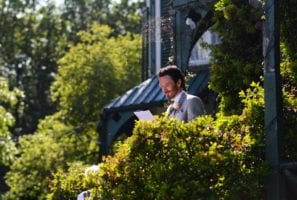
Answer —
273 99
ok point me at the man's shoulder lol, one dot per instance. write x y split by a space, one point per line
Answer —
190 97
193 100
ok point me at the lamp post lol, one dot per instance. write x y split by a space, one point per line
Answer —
273 99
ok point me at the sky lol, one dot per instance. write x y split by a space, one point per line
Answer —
61 1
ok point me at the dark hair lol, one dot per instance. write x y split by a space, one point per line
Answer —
174 72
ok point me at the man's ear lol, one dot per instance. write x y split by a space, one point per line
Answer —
179 83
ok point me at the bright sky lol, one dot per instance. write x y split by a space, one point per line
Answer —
59 2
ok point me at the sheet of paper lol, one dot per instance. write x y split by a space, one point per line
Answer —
144 115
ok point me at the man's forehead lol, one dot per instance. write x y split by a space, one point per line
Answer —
165 78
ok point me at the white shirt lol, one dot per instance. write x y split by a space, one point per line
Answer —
177 97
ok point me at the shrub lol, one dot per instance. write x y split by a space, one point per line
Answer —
69 183
172 160
210 158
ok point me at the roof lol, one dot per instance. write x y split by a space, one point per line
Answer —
148 93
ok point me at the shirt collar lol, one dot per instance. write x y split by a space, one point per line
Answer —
177 97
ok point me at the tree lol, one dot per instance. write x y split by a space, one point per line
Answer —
288 19
96 70
34 35
125 16
78 15
30 40
122 16
53 146
8 101
237 60
88 77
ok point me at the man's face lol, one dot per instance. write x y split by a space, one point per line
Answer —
169 87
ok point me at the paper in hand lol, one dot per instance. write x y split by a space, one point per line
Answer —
144 115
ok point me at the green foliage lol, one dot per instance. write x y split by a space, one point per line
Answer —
96 70
237 60
8 101
36 34
90 75
78 15
67 185
209 158
30 45
290 125
288 24
125 16
288 19
40 155
221 158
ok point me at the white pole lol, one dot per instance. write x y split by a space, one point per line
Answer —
158 34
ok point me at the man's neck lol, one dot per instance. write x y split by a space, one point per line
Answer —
177 96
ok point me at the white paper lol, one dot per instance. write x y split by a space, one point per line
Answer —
83 195
144 115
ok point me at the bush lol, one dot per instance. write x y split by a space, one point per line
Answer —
221 158
68 184
172 160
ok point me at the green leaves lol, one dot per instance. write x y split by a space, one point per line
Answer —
173 160
89 76
67 185
95 71
100 65
8 101
50 149
209 158
237 60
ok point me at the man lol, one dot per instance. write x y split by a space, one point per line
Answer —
184 107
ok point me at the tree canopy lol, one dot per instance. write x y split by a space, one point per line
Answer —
8 101
96 70
236 61
34 35
53 146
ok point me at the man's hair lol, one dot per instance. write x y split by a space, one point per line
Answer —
175 73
